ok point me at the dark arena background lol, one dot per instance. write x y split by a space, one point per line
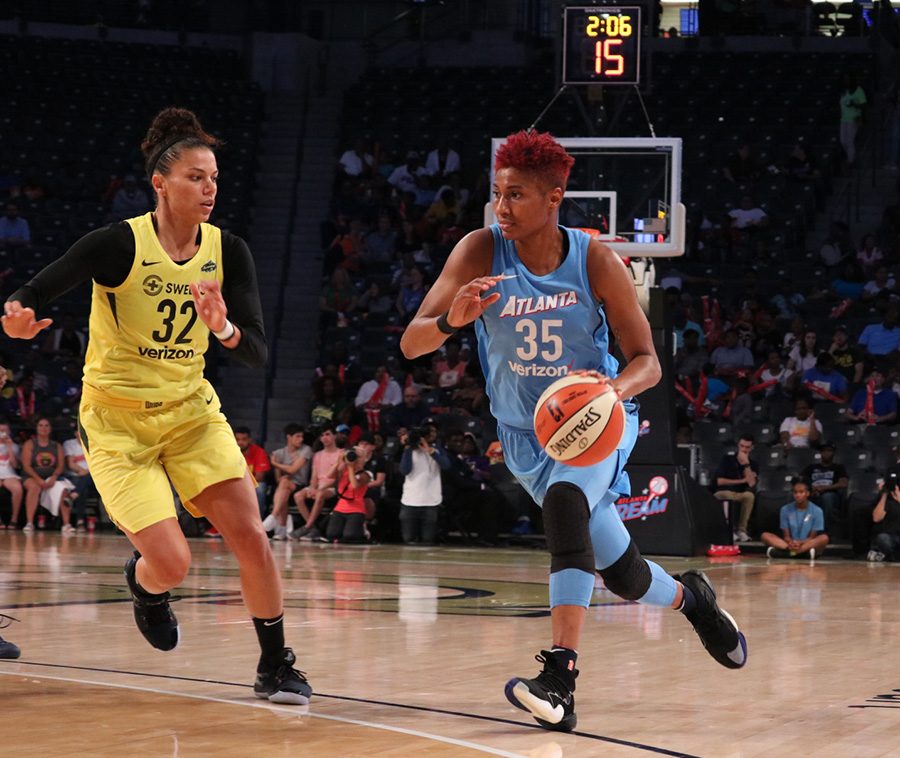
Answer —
742 157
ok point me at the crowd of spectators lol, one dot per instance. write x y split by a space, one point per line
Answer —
807 370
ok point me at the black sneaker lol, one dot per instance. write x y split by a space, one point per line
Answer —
549 696
8 649
283 684
152 613
717 629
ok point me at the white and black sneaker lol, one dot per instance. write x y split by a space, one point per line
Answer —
549 697
717 629
283 684
152 613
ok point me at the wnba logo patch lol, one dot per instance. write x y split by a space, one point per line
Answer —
152 285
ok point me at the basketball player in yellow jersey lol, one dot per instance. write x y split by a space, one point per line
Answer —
161 283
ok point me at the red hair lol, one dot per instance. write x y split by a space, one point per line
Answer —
537 153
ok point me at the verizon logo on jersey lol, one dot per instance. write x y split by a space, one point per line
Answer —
536 369
525 306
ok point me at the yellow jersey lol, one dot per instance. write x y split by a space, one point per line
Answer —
146 341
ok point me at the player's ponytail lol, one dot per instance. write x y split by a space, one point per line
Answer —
172 131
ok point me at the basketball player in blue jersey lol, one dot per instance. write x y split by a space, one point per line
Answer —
544 298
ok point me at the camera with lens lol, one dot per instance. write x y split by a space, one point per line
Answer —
415 436
351 455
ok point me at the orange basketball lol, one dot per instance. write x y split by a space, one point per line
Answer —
579 420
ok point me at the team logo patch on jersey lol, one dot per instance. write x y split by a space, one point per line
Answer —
208 267
153 285
526 306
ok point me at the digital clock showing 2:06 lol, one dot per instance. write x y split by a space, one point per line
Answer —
601 45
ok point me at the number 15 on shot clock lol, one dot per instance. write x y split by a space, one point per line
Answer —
601 45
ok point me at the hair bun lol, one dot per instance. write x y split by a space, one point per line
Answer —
173 122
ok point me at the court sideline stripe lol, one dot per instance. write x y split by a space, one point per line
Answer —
280 709
367 701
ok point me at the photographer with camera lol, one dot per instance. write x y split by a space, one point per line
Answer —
885 544
421 467
347 521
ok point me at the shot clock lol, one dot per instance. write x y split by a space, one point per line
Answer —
601 45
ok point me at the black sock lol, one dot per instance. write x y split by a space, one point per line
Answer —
566 656
688 601
271 641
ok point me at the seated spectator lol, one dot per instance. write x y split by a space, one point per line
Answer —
800 163
328 401
444 206
348 248
348 519
356 162
378 395
794 335
411 413
321 487
421 467
9 477
838 246
67 388
885 544
748 215
824 382
257 463
373 300
469 398
828 481
882 338
681 323
869 255
15 233
802 429
381 244
730 358
78 474
129 200
65 339
775 371
690 357
337 297
802 526
412 293
410 176
43 462
847 358
442 162
882 282
467 489
874 403
804 354
742 166
850 282
448 369
736 478
291 464
371 447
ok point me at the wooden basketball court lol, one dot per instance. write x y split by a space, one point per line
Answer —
408 651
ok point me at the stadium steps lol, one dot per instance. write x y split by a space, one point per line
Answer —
243 390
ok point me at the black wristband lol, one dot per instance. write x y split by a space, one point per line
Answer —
443 325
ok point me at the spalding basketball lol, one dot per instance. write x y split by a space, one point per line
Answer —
579 420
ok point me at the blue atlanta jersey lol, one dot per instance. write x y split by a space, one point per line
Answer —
541 329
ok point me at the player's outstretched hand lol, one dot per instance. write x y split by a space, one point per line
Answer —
210 304
468 303
18 322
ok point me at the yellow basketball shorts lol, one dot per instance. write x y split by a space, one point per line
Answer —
134 452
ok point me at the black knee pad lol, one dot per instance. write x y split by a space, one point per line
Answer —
629 577
566 526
